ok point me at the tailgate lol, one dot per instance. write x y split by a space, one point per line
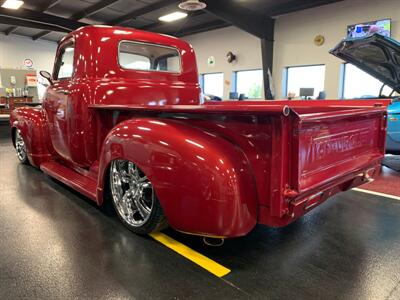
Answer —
330 145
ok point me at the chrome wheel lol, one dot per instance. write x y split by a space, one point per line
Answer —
20 146
132 193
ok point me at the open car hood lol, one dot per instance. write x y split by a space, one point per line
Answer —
377 55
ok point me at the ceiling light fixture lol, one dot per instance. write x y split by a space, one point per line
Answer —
173 16
192 5
12 4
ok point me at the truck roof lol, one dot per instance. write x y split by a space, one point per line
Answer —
97 47
118 32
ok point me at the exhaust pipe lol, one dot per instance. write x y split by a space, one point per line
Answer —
213 242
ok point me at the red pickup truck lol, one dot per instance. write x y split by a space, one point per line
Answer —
122 123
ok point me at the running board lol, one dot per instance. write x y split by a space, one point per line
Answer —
83 184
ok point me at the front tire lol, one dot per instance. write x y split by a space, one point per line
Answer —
134 198
20 148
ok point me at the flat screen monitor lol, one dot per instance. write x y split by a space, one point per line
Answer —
360 30
233 95
306 92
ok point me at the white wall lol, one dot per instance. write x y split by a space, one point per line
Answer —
294 36
14 50
295 32
218 43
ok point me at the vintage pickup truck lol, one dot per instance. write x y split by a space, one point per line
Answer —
122 123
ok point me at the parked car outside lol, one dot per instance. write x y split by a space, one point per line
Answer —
393 128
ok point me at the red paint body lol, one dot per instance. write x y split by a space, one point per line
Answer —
217 168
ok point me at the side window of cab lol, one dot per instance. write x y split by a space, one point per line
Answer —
65 62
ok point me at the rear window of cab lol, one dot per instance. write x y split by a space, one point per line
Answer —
148 57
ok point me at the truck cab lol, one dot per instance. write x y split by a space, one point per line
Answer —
90 69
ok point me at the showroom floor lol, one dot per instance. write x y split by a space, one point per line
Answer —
55 244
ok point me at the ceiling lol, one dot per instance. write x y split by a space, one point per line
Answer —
51 19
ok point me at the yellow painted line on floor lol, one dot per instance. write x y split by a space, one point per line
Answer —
199 259
376 193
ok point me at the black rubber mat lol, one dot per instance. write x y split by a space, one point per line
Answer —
392 162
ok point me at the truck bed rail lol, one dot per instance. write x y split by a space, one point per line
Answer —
259 106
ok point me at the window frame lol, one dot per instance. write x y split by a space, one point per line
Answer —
285 77
60 55
235 81
149 44
201 82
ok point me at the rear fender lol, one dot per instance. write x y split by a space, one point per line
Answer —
31 123
204 182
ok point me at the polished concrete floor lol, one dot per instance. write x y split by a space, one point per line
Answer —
388 182
55 244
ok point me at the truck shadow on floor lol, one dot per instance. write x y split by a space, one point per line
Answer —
392 162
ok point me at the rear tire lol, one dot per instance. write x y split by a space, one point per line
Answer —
20 148
134 198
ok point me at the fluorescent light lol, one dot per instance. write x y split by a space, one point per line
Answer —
173 16
12 4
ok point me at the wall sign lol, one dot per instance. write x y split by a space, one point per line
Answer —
211 61
319 40
31 80
28 63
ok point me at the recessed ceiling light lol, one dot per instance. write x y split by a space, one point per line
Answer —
173 16
12 4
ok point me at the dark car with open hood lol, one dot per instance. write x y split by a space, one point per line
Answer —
379 56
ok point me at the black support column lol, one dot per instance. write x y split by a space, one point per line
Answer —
259 25
267 51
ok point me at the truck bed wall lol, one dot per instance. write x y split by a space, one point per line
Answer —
252 135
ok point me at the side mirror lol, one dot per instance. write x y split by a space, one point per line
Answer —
46 75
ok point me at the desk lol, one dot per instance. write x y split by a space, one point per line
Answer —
8 104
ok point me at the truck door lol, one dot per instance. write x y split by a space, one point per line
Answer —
57 100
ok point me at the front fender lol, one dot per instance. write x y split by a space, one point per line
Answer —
31 123
204 182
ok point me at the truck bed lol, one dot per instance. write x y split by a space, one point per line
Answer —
300 152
